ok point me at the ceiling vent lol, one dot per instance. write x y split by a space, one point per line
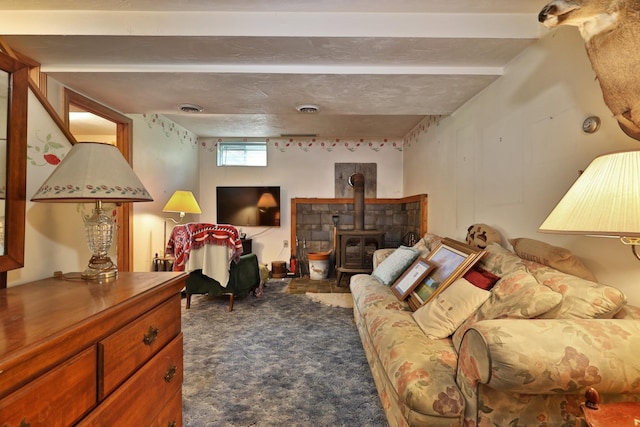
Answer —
298 135
308 108
190 108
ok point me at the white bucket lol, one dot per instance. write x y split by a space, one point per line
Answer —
318 265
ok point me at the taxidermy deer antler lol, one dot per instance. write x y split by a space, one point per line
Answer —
611 32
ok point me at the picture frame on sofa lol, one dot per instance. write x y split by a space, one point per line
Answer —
453 259
417 272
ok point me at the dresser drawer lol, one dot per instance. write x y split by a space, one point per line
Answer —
171 414
124 351
142 397
57 398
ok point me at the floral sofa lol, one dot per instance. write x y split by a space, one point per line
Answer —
523 358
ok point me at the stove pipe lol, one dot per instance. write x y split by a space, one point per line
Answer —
357 182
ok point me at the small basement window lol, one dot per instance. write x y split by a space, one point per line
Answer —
243 153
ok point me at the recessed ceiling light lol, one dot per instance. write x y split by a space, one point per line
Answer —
190 108
308 108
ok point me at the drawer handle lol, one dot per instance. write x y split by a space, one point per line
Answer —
172 424
171 372
151 336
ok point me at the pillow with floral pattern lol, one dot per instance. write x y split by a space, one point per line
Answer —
518 295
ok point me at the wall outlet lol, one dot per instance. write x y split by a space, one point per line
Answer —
285 243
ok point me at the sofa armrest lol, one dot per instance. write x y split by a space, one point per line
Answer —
552 356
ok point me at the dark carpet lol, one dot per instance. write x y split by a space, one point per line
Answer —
279 360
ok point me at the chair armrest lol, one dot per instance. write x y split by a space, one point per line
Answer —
245 274
552 356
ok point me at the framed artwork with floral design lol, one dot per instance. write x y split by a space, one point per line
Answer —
452 259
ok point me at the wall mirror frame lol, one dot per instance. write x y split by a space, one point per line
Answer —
15 168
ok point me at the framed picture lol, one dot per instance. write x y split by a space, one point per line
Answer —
453 259
403 286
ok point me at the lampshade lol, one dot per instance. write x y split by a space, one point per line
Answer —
94 172
267 201
182 201
604 200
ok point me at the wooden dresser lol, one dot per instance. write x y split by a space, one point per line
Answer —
90 354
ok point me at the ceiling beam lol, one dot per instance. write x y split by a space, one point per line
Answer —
269 24
274 69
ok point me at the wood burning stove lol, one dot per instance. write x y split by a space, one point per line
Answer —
355 251
355 248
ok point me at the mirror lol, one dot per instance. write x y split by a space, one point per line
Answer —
13 152
4 116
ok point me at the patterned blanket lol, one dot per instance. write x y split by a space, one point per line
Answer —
187 237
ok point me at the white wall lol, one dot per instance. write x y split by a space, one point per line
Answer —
301 170
165 158
507 156
54 233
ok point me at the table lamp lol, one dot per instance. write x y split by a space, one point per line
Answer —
94 172
604 201
183 202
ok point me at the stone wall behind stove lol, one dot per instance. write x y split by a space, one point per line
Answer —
396 217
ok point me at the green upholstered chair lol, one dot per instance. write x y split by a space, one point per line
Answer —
244 277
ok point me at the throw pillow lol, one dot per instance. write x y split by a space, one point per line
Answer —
500 261
395 264
422 247
519 296
516 296
553 256
441 316
481 278
582 299
427 243
481 235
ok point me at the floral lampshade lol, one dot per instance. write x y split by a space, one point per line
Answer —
94 172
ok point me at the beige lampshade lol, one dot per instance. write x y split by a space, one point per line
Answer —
182 201
91 172
267 201
604 200
94 172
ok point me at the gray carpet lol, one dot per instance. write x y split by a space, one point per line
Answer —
281 360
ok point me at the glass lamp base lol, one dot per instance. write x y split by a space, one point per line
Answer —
100 276
100 268
99 229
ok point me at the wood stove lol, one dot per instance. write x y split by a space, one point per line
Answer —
355 247
355 250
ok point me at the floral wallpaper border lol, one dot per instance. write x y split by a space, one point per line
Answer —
306 144
414 134
330 144
352 144
171 129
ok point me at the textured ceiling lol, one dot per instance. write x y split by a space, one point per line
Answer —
375 68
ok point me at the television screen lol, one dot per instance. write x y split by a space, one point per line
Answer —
248 206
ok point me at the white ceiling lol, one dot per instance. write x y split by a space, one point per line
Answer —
375 68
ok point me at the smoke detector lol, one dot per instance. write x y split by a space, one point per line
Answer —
190 108
308 108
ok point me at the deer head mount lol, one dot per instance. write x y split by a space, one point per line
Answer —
611 32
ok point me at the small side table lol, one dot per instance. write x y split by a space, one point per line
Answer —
621 414
246 246
163 263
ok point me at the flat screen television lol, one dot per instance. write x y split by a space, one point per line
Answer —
248 206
